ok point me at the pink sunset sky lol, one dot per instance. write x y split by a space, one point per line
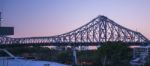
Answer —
53 17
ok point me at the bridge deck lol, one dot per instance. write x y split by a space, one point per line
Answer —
68 44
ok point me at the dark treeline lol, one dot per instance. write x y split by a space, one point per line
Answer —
109 54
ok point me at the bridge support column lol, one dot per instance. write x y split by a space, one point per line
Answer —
74 56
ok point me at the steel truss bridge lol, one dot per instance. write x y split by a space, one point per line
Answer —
100 29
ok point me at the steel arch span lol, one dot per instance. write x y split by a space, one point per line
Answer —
100 29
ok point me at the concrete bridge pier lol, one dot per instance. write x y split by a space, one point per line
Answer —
74 56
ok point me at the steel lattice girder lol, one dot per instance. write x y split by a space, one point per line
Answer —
100 29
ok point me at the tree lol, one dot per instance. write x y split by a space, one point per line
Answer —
114 54
65 57
147 59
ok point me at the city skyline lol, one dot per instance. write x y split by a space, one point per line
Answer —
54 17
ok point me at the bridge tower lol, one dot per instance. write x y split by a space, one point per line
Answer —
0 19
5 31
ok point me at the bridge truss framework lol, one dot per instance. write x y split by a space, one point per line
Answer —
100 29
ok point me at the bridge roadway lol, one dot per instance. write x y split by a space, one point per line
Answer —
70 44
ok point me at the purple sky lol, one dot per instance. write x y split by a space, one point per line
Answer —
52 17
